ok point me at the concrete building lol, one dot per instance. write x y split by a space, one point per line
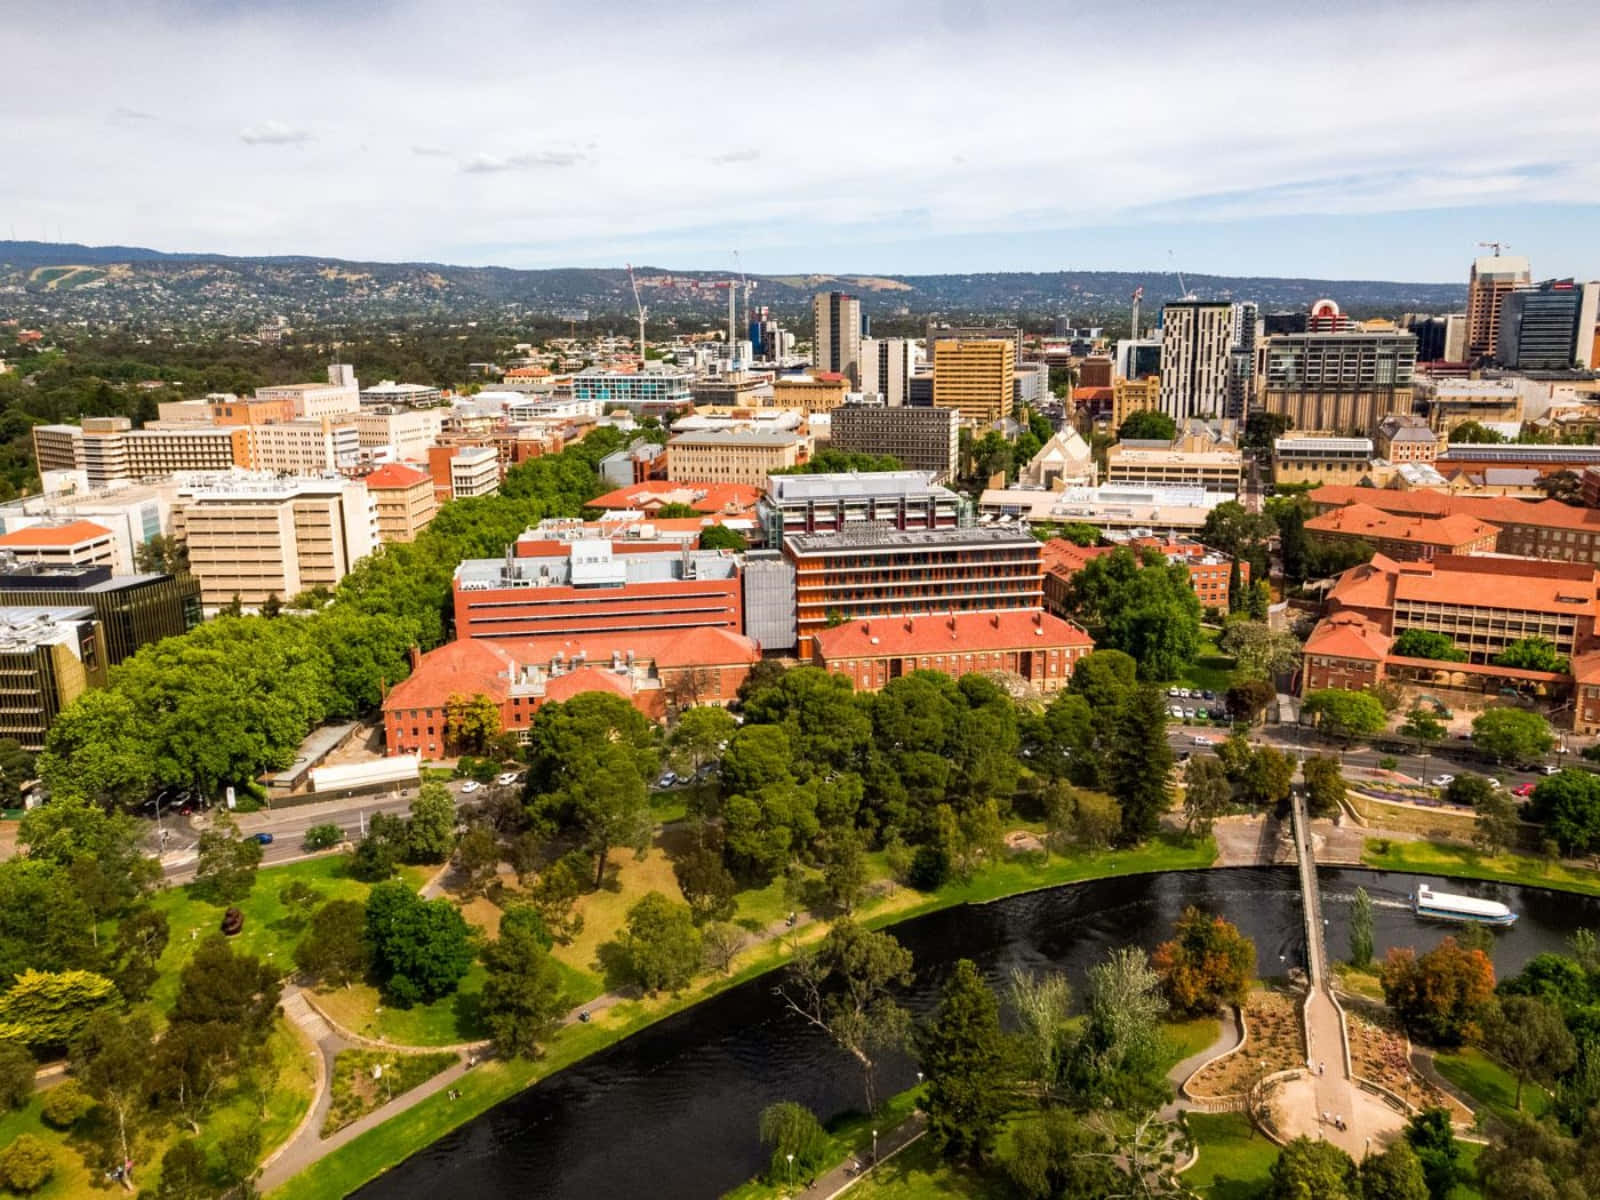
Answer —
65 544
548 585
905 500
1066 460
133 610
1549 327
1404 538
887 365
1439 338
1493 278
1197 337
1040 648
399 433
1138 358
341 395
1320 460
1031 385
408 395
820 392
310 447
923 439
651 392
404 499
836 335
1242 359
134 513
255 536
469 470
48 658
1195 458
1342 382
732 456
878 571
769 615
1136 508
1450 402
976 378
109 450
236 410
937 332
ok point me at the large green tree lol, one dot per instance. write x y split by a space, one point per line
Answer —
1345 714
1142 764
1308 1170
1395 1174
1143 606
1529 1036
421 949
1511 734
662 945
1569 806
524 992
962 1055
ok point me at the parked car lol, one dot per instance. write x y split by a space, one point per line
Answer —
508 778
1208 694
1523 789
1549 769
1442 781
1176 712
470 786
264 838
1200 739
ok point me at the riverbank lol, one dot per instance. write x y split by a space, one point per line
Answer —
1463 862
486 1085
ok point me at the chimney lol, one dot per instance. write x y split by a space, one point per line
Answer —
416 657
994 620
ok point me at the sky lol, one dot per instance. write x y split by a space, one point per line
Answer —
1363 140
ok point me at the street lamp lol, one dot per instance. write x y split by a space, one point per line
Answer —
874 1146
790 1157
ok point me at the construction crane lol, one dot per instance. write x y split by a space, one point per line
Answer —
733 286
639 304
1172 261
1138 295
1497 246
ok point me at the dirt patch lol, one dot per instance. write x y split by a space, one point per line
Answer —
1020 841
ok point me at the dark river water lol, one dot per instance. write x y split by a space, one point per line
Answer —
671 1112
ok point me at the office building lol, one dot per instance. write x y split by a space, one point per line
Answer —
399 433
1450 402
62 544
1549 327
1493 278
553 584
820 392
1404 538
836 335
109 450
1131 396
253 536
878 571
407 395
1197 458
1440 338
975 378
309 447
1031 385
832 503
1319 460
1095 371
1242 360
887 365
1138 358
133 610
976 333
404 499
923 439
1340 382
340 396
650 392
48 658
1039 648
1197 337
746 456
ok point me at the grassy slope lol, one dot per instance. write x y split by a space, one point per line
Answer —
1489 1083
1427 858
1234 1157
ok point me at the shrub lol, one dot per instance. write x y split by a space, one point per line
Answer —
65 1105
26 1164
323 837
930 867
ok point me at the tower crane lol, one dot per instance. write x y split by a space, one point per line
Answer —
1497 246
639 304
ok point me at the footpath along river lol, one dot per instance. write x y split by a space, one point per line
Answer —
670 1113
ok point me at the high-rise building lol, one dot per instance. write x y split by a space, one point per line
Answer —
404 500
923 439
836 336
975 378
1493 278
1197 338
48 658
1549 327
887 365
1339 382
1242 360
1439 338
978 333
1138 358
133 610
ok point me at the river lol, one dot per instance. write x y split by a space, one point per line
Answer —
670 1113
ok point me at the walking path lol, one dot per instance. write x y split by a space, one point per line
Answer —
1227 1038
846 1175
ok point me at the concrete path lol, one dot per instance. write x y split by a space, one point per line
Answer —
1227 1038
850 1172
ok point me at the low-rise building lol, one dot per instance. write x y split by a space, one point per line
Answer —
401 433
1404 538
237 410
1196 458
1133 508
923 439
404 500
651 392
62 544
133 610
1066 460
1406 438
411 395
1129 396
650 496
820 392
460 471
1450 402
832 503
339 396
1319 460
733 456
309 447
1543 529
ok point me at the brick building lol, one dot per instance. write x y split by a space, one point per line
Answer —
1546 529
1402 536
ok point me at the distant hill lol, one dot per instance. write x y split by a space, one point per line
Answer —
41 281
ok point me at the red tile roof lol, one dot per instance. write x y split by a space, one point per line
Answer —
1363 520
1349 635
1476 581
70 534
1496 510
396 475
937 634
702 497
1063 557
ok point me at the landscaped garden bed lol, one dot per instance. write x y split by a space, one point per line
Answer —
1380 1054
1274 1041
365 1080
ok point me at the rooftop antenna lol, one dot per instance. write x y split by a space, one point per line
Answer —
1498 246
642 311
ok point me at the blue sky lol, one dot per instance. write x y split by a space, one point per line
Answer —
1367 140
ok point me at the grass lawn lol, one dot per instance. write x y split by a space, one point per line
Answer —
1234 1157
1211 670
1429 858
605 912
1183 1038
445 1022
1489 1083
918 1173
850 1134
1362 983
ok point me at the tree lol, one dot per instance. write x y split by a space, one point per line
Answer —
723 940
706 883
1143 606
1529 1036
141 937
323 837
1240 533
661 944
1096 820
26 1165
1206 794
226 862
1147 425
185 1173
555 895
1259 651
611 807
431 832
420 948
1569 806
1325 788
721 537
1396 1174
796 1139
1440 996
1247 699
335 950
16 1075
1207 965
478 855
1565 486
524 994
1511 734
380 850
1496 828
1431 1134
1307 1170
1361 929
1422 726
470 722
845 872
1265 776
1425 643
1474 432
757 756
1532 654
47 1009
961 1052
1345 714
1042 1004
845 986
1117 1061
113 1059
99 849
1059 1157
699 737
1295 546
1142 763
64 1105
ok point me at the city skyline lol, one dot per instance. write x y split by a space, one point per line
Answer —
975 137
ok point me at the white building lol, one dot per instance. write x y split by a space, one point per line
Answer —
405 433
1197 337
306 447
887 365
412 395
340 395
474 471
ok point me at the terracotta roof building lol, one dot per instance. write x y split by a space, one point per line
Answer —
71 544
1040 648
1404 537
1344 651
726 499
1209 571
656 672
405 501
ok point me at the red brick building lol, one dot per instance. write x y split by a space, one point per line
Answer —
655 672
1529 528
1345 651
722 499
1209 571
1040 648
1405 537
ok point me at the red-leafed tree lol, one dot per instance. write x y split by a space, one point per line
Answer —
1208 964
1440 995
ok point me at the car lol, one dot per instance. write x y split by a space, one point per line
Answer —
1208 694
1176 712
668 778
508 778
470 786
1188 714
1523 789
1172 693
1549 769
1494 784
1442 781
1200 739
264 839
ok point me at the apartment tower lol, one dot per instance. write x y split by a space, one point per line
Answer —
1197 340
976 378
1493 278
836 341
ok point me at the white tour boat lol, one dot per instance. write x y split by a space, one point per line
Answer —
1442 906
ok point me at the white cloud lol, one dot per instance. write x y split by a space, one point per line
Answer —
489 164
274 133
729 157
